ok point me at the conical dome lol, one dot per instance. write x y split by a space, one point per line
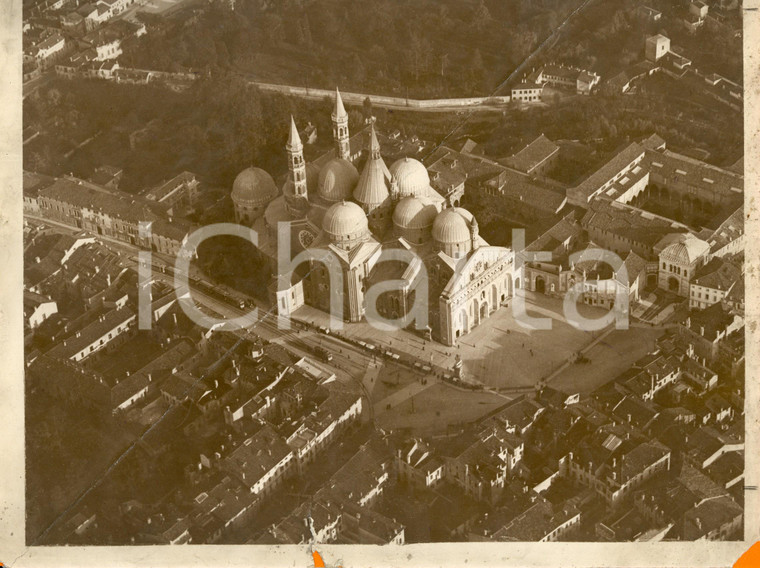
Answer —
337 180
374 184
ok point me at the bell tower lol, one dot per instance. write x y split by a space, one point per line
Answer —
296 163
340 128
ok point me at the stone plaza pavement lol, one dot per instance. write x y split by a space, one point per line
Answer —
500 353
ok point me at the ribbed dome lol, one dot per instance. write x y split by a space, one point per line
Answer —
411 175
469 217
686 251
374 183
253 186
414 213
450 227
345 220
337 180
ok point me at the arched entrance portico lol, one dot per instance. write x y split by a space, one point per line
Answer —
483 311
673 284
540 285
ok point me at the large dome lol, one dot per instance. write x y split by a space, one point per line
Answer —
345 221
254 187
337 180
414 213
450 227
412 177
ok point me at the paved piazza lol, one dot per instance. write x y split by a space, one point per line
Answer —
502 354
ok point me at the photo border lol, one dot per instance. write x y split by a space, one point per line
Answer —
14 552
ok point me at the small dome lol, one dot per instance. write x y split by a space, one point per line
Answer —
337 180
469 217
411 175
685 252
344 221
253 186
450 227
414 213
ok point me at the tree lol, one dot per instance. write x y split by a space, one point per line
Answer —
476 68
444 59
480 16
356 68
418 56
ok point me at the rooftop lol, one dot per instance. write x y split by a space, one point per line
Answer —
608 171
123 206
533 155
91 333
259 454
718 274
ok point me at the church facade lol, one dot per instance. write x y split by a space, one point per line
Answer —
348 213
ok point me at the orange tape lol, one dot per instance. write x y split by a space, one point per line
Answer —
751 558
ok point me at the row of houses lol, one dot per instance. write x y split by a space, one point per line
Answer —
106 211
71 39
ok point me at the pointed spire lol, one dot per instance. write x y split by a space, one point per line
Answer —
340 128
374 145
294 140
340 110
394 188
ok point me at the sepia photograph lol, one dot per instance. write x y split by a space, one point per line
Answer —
444 277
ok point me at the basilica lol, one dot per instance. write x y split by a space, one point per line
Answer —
349 206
